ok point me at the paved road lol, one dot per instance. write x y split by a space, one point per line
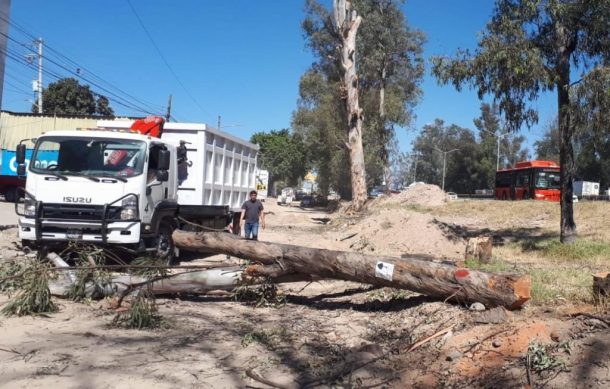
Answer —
7 213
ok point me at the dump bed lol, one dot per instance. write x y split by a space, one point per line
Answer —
221 168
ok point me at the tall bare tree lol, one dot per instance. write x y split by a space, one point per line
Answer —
348 21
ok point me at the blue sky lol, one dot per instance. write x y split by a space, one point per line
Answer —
239 59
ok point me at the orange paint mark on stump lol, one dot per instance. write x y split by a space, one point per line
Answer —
461 273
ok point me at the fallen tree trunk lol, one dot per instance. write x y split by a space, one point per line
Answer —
192 282
429 278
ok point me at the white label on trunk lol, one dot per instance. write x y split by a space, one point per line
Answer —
384 270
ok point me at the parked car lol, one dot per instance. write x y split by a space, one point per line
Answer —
376 191
452 196
307 201
299 194
286 197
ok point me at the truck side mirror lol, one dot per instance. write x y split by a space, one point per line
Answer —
164 159
20 153
21 170
162 175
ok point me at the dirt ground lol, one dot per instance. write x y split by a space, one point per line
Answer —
342 334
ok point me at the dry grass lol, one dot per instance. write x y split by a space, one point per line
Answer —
559 272
530 229
503 213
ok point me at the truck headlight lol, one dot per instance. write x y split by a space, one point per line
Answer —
129 209
29 207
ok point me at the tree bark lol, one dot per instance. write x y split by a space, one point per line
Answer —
601 287
430 278
566 151
193 282
387 169
348 21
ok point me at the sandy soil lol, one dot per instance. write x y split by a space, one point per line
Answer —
327 333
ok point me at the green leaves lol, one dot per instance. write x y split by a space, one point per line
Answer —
528 47
283 154
35 296
390 69
473 165
68 97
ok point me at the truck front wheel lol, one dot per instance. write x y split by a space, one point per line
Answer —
165 249
11 194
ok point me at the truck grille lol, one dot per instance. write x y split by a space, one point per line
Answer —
78 212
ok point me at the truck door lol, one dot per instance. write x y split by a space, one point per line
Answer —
156 191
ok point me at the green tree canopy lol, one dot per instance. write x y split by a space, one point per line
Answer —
528 47
547 148
282 154
473 165
68 97
390 68
591 107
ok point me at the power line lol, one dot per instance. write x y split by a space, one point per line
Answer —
16 88
55 76
118 99
148 34
153 106
67 62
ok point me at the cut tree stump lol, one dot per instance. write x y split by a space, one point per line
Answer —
601 286
479 248
429 278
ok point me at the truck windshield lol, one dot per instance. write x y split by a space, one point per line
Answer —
548 179
88 156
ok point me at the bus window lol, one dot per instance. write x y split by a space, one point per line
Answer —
523 179
503 180
548 180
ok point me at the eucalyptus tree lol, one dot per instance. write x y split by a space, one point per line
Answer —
530 47
389 68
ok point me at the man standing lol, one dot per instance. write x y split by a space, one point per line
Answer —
252 212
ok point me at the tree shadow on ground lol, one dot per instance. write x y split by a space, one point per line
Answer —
392 305
324 301
597 356
456 232
311 362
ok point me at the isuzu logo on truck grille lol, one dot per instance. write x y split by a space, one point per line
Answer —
79 200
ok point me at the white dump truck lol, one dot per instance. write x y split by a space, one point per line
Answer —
130 184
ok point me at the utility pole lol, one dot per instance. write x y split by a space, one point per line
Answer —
444 161
218 128
498 139
415 168
5 8
39 82
168 114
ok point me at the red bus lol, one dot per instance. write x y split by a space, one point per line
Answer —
536 180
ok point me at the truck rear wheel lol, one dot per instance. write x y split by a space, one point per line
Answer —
235 223
165 249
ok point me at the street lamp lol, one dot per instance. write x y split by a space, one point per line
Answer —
444 161
498 137
416 156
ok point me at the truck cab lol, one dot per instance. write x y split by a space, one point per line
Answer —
104 187
131 183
